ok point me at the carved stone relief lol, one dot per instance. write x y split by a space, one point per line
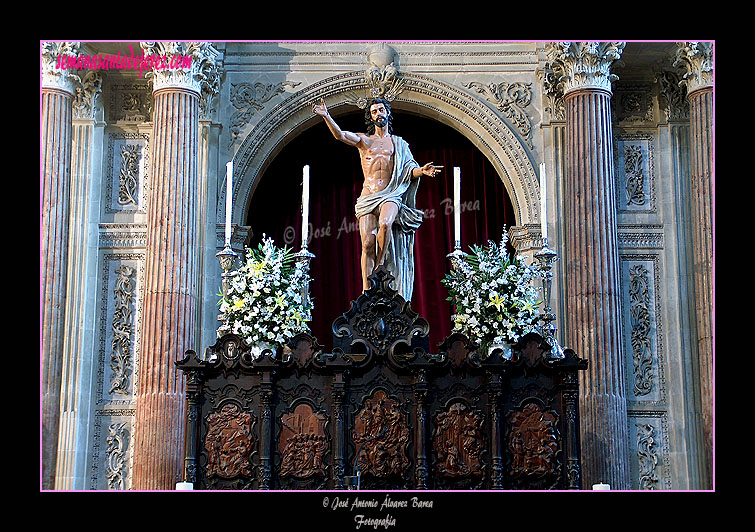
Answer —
635 173
129 103
110 456
117 443
632 104
123 329
120 308
650 440
127 167
510 99
639 303
647 453
673 96
642 330
248 98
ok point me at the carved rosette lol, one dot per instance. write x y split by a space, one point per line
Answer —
696 58
584 65
200 76
55 78
381 435
229 442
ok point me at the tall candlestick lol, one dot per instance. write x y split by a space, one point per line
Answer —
305 207
228 200
457 206
543 195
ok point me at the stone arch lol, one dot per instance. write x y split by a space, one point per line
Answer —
421 95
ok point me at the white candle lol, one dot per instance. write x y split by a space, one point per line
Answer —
543 195
228 200
305 207
457 205
601 487
184 486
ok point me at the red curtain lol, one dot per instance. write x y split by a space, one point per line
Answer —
336 182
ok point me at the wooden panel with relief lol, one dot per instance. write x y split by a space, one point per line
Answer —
379 411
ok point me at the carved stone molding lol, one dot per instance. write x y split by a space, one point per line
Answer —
584 65
55 78
696 58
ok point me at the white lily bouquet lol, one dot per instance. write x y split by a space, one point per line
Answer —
493 296
265 303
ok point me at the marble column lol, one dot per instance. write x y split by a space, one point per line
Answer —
697 60
58 87
169 322
80 323
593 304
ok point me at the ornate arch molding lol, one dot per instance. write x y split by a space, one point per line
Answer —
421 95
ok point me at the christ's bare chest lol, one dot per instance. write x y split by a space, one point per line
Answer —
377 157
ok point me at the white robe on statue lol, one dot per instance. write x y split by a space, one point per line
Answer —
402 190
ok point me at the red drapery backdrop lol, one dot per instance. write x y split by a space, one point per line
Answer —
336 182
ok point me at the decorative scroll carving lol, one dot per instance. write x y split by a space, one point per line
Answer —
303 443
696 58
459 442
553 91
533 443
128 178
120 357
639 302
647 455
199 74
379 319
249 98
382 436
584 65
229 442
634 175
675 94
510 98
86 95
57 78
116 456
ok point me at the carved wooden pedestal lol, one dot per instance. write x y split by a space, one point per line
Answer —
381 404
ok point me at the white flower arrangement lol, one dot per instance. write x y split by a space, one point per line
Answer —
265 304
492 293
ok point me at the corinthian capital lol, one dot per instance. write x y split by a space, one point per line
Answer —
54 77
696 58
584 65
184 65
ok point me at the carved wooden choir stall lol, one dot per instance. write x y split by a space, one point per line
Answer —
380 411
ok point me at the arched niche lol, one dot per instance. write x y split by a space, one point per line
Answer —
421 95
